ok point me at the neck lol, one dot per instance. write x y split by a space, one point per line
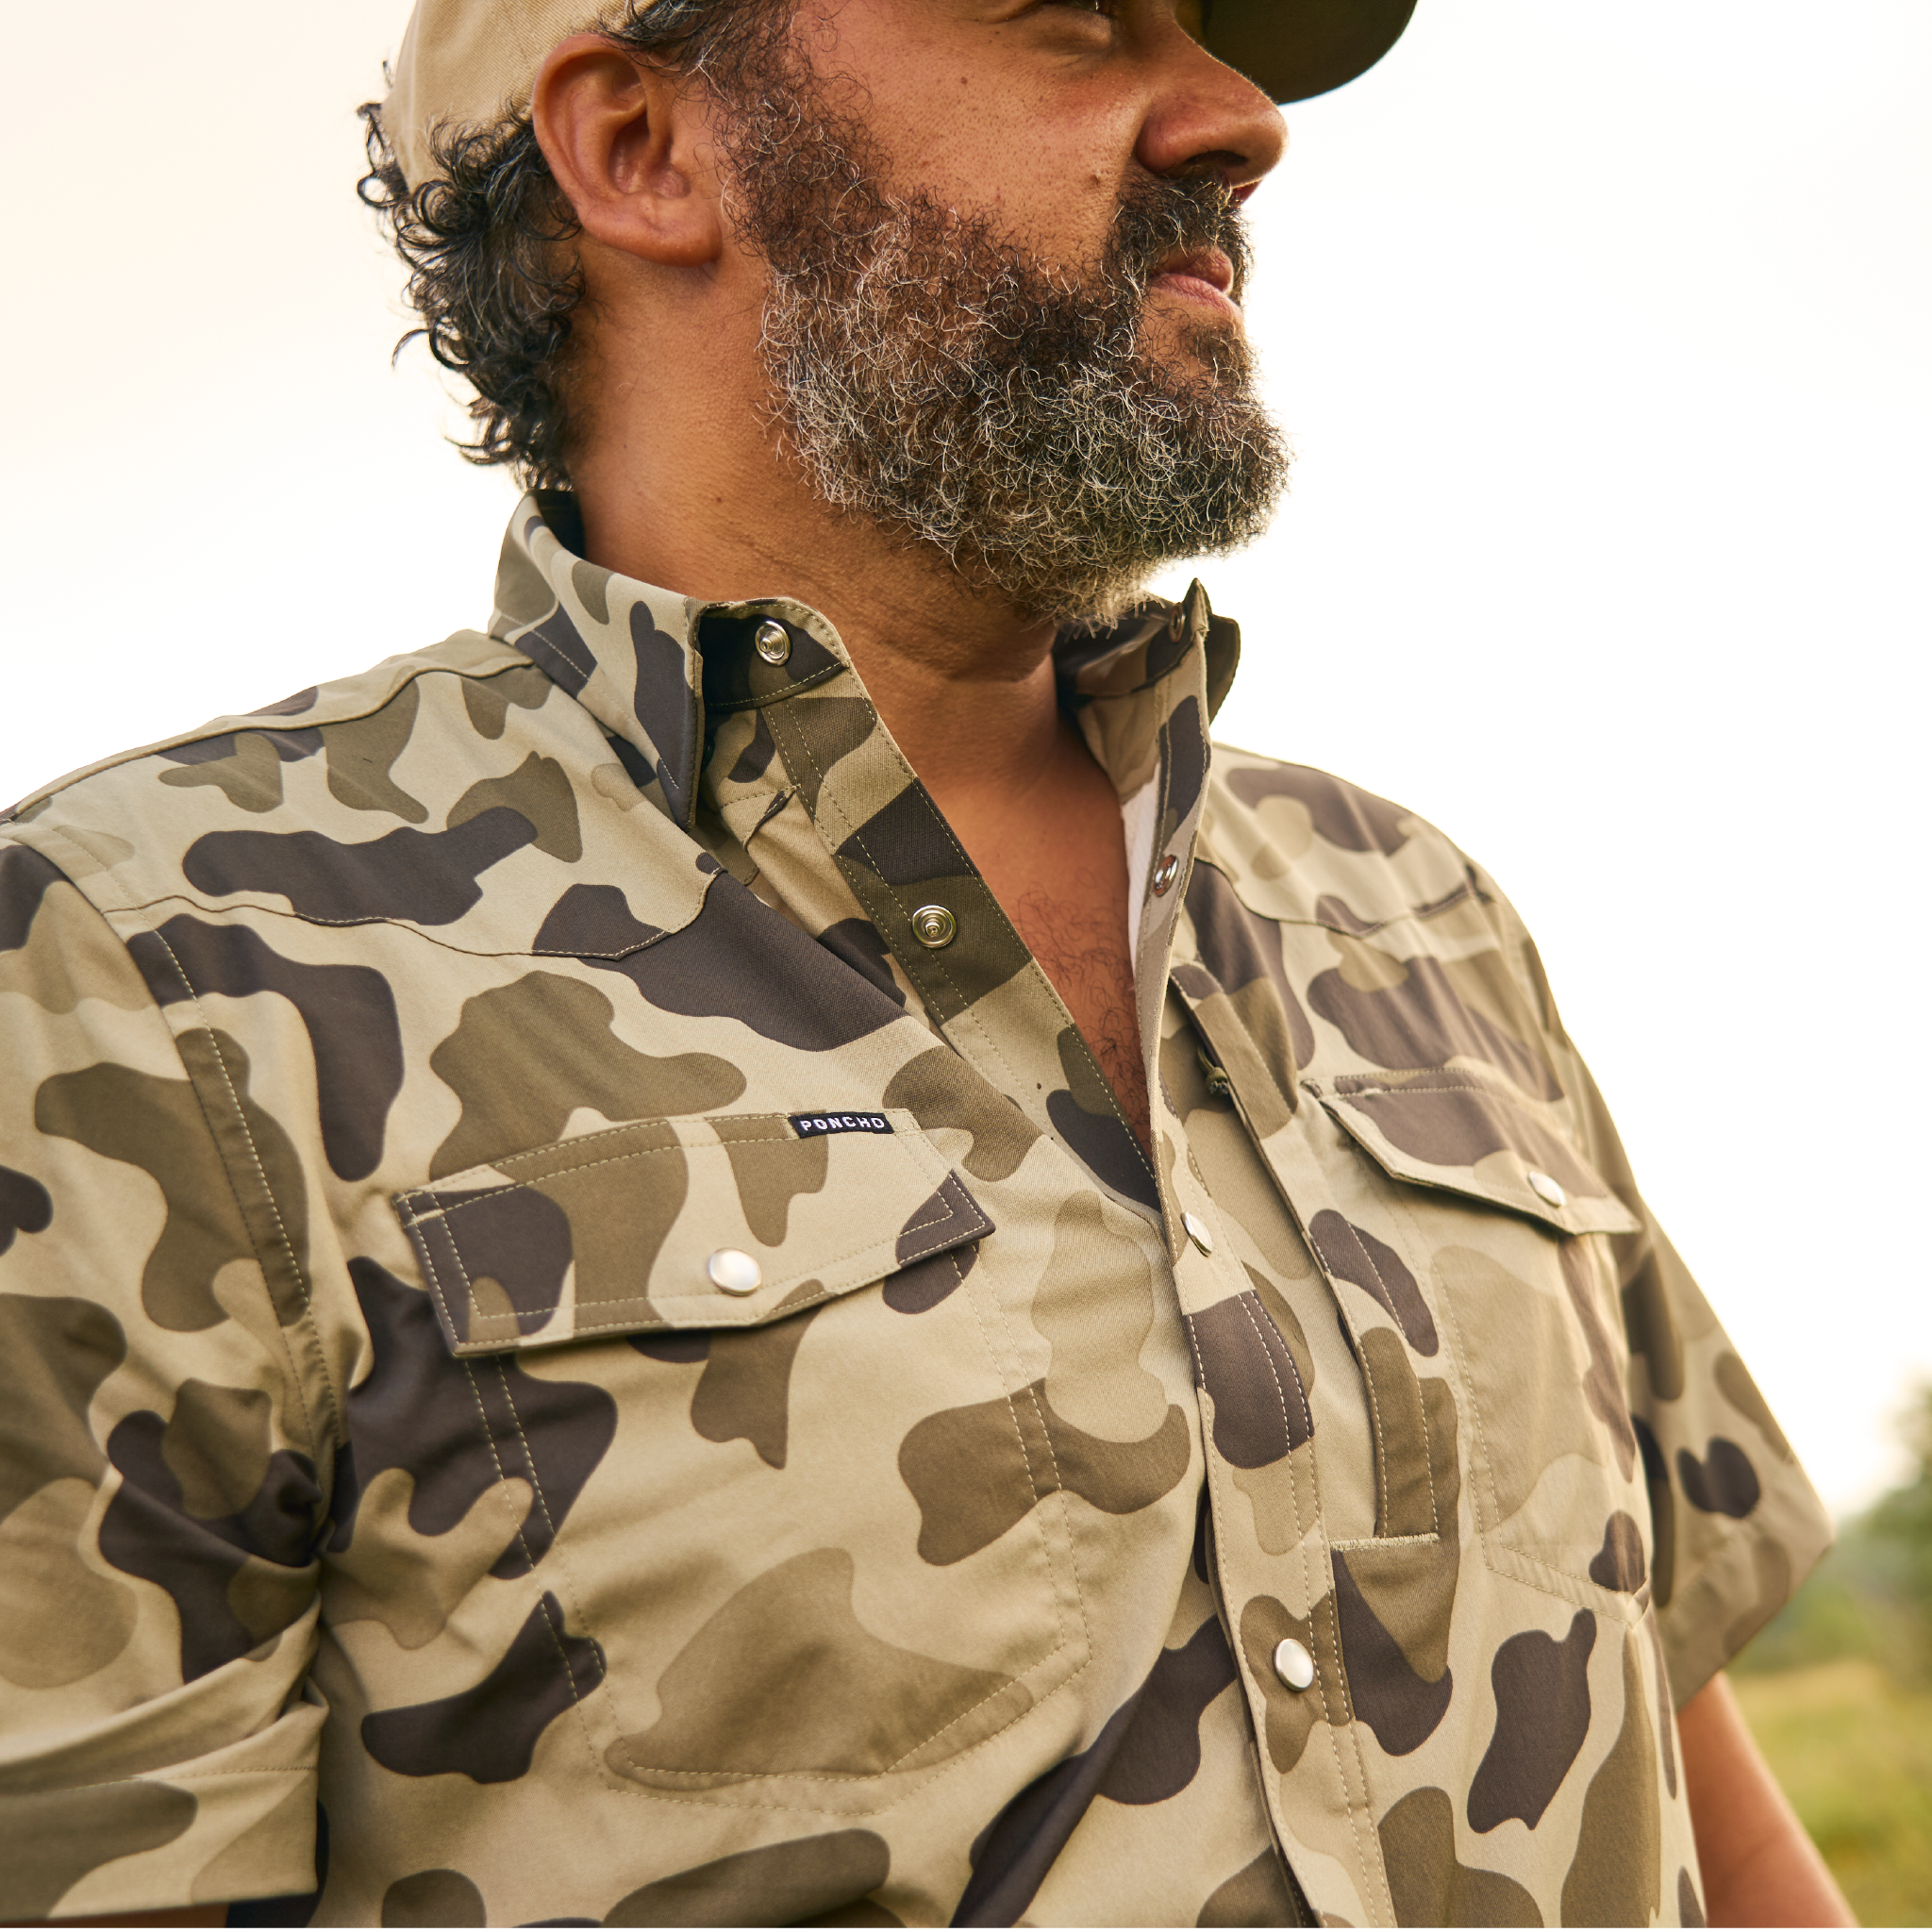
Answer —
682 485
704 504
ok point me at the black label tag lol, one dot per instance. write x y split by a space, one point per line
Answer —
808 1124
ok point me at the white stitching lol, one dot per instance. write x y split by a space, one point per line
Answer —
1314 1601
1060 1488
1267 1355
1327 1719
741 1778
579 1330
537 1493
1428 1452
949 1213
966 1005
556 1553
336 1431
257 910
453 1182
1358 1351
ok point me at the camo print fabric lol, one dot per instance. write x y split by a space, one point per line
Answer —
396 1516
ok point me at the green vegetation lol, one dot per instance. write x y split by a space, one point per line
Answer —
1853 1752
1839 1690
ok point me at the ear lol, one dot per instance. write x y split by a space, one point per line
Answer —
624 141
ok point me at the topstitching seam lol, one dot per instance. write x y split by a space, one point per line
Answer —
1033 1483
858 833
537 1491
274 1207
705 1296
1428 1444
511 1187
1361 1355
556 1553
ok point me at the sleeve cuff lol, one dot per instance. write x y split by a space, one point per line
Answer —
239 1823
1743 1582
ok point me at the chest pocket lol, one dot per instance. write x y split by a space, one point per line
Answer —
719 1221
734 1364
1499 1230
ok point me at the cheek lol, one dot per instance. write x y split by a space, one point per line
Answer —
1063 214
1015 161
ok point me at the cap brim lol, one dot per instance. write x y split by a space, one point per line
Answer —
1296 49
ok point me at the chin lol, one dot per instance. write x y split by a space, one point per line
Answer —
1212 354
1181 329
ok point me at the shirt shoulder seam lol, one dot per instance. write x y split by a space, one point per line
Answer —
418 665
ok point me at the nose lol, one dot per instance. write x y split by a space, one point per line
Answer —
1203 116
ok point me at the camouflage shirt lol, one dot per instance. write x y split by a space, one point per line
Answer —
583 1339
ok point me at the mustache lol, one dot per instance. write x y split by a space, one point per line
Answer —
1159 217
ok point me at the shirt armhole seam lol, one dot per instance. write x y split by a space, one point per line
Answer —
1743 1532
334 1431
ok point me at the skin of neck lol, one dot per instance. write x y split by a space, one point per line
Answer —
684 484
1034 112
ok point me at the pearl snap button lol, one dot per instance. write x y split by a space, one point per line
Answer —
934 927
1165 873
1197 1233
1545 1187
735 1271
773 642
1294 1665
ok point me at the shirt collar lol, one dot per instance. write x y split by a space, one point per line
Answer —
650 665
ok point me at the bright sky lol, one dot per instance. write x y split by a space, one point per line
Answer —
1605 335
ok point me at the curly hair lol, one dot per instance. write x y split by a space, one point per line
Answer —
486 242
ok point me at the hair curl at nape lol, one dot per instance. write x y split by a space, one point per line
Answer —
486 242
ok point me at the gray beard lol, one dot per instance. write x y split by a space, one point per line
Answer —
944 383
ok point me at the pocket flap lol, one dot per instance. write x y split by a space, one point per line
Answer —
1448 1127
721 1221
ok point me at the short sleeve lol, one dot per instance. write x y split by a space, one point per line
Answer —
1737 1525
160 1503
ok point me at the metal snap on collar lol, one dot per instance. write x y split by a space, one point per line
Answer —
773 642
1165 873
1294 1665
934 927
1198 1233
1546 1187
735 1271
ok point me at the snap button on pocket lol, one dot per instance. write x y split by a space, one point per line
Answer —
1545 1187
1198 1233
735 1271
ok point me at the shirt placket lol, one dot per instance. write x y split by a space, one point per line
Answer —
1278 1606
978 983
982 989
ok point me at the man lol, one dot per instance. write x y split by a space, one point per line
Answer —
759 1248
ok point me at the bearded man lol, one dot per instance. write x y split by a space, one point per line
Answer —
760 1248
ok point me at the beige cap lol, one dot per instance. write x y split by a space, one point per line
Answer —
467 63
